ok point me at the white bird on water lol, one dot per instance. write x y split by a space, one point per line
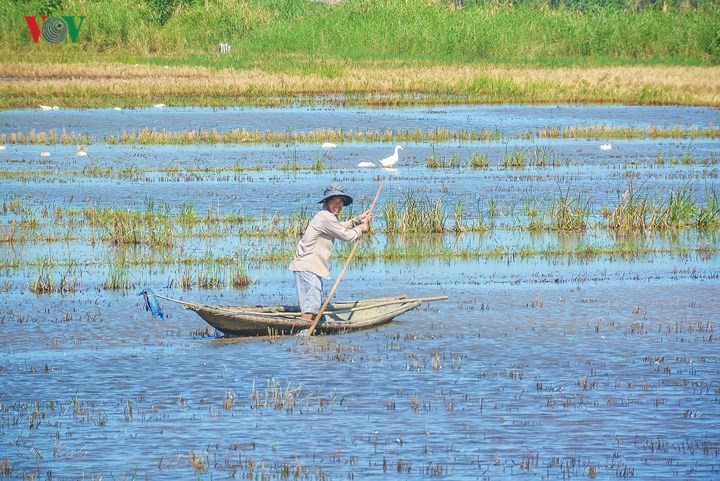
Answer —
328 145
47 107
366 164
159 106
392 160
606 147
44 153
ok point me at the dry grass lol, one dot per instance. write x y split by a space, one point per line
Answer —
82 85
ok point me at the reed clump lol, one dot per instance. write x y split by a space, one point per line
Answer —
44 283
516 159
708 216
275 396
636 212
118 275
241 279
680 211
569 213
134 228
414 215
631 213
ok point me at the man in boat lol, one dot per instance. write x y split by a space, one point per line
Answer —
310 264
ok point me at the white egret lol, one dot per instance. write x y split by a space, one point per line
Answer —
366 164
44 153
159 106
392 160
328 145
606 147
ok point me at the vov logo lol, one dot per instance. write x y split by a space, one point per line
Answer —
54 29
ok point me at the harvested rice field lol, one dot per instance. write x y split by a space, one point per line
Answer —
578 247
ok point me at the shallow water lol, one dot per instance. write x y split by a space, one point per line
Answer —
540 367
511 119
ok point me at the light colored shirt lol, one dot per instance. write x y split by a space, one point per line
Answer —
314 249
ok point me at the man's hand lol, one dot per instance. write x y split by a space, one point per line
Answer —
365 217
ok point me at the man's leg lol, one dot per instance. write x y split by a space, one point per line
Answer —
309 290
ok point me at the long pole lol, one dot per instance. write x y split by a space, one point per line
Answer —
342 272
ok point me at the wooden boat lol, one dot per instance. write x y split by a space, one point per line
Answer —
339 317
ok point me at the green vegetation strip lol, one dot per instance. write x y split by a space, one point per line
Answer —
244 136
637 211
217 272
287 35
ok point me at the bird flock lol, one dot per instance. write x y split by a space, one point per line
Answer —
388 163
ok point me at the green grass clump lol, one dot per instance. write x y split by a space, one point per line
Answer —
436 162
680 211
479 161
287 35
631 213
414 215
708 216
135 228
569 213
118 276
517 159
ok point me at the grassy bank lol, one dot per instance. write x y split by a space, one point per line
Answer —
517 32
365 53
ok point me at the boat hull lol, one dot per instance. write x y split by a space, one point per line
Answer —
285 320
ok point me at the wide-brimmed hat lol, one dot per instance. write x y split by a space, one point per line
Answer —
335 190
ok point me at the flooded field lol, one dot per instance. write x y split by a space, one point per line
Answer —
579 338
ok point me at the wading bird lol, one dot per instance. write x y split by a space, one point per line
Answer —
392 160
